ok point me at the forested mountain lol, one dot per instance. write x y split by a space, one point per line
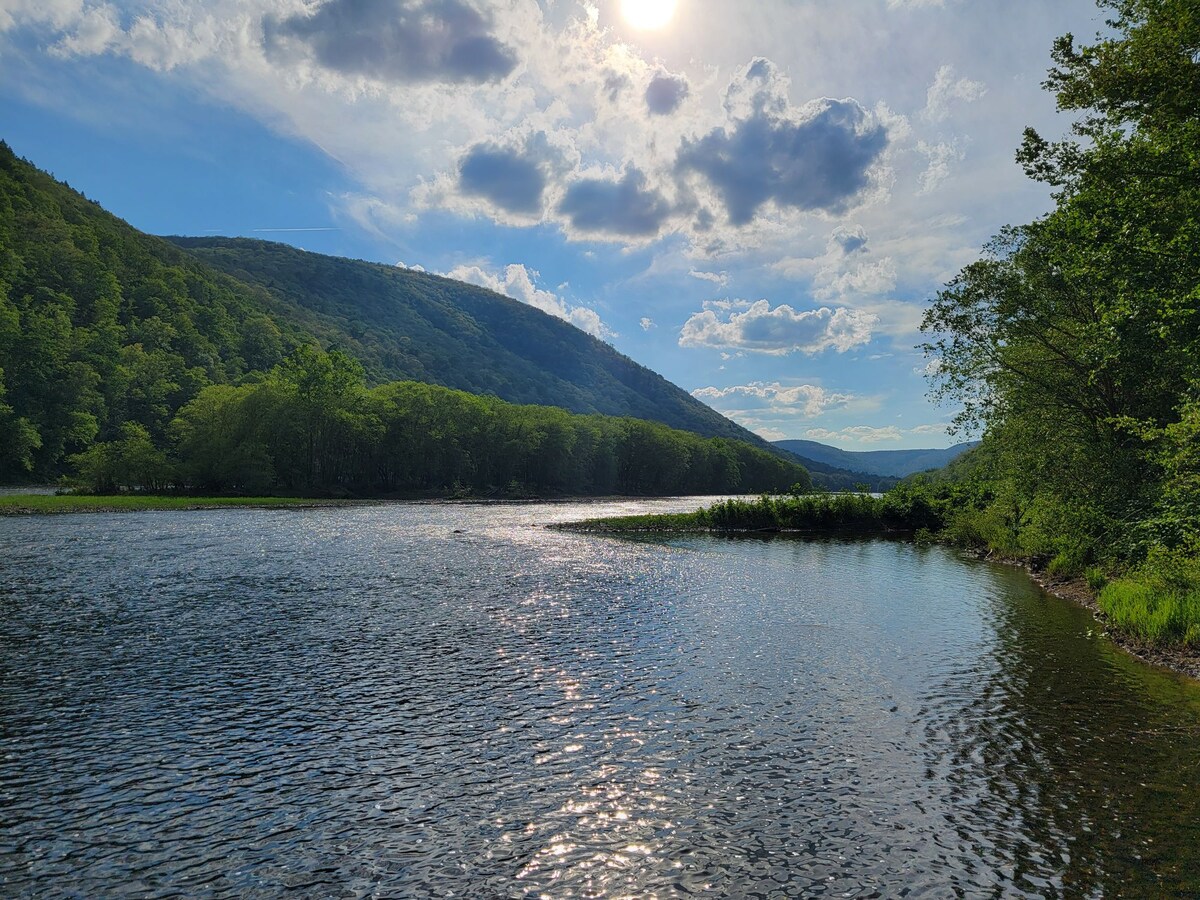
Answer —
893 463
403 325
102 327
832 478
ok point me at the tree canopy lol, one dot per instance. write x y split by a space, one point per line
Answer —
1073 343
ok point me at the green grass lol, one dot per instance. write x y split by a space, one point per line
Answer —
35 504
1160 602
1151 613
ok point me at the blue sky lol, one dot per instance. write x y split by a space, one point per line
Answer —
754 199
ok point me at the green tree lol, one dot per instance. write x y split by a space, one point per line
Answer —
1074 343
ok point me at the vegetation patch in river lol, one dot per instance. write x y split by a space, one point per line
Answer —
897 511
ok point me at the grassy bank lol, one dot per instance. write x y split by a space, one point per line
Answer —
1158 602
896 511
36 504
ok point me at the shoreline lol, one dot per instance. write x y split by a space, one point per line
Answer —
19 505
46 504
1183 661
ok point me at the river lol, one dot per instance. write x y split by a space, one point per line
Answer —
453 701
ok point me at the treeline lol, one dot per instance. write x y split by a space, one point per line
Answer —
312 426
1074 344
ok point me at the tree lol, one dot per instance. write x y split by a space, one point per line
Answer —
1075 342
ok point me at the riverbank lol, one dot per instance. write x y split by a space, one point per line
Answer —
51 504
857 514
1179 658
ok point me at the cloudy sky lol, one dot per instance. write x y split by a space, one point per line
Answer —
753 197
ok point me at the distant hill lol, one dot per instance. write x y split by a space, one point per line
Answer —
403 324
831 478
891 463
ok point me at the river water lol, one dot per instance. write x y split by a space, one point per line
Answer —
453 701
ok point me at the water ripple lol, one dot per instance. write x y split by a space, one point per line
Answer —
365 703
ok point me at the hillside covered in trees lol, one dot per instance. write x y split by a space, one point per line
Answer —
107 334
1074 343
406 325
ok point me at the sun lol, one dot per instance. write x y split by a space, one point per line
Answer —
648 15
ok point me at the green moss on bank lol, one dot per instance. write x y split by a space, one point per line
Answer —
35 504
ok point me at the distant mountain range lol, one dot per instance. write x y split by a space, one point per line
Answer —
893 464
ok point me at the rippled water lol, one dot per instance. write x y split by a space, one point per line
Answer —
363 702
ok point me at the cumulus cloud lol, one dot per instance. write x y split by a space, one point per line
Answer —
849 239
718 278
504 177
520 283
946 90
940 430
647 323
942 157
626 207
816 158
858 434
871 278
778 330
666 93
398 41
808 400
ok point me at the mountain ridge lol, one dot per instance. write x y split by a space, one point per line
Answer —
103 325
395 315
879 463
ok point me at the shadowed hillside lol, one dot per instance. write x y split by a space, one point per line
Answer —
403 324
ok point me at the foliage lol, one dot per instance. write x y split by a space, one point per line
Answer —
101 326
899 510
405 325
1160 602
1074 342
312 426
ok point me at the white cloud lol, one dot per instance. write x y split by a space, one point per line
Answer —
519 283
647 323
858 434
779 330
808 400
929 429
941 158
946 90
871 278
718 278
769 433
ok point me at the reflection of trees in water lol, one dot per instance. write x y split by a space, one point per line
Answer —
1070 767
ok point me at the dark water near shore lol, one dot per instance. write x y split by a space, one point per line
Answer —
361 702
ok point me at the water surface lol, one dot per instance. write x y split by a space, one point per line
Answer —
448 700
